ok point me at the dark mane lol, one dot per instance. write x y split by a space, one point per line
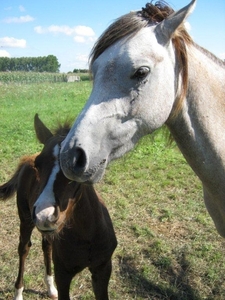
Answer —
129 24
62 129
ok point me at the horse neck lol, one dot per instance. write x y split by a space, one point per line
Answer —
199 128
86 213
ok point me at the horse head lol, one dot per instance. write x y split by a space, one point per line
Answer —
55 193
136 82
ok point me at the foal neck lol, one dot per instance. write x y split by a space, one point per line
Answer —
86 213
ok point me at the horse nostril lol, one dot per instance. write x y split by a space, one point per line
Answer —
54 217
73 162
80 158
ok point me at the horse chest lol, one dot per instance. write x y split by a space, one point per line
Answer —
76 254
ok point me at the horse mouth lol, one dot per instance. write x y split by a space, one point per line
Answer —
95 174
48 231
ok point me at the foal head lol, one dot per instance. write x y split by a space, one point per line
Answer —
55 192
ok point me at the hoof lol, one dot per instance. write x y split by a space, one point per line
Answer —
52 291
18 294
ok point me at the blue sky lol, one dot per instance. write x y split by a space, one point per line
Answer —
69 28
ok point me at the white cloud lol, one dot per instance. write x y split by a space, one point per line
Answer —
39 29
84 30
8 8
92 39
12 42
81 33
21 8
21 19
53 29
82 57
79 39
60 29
4 53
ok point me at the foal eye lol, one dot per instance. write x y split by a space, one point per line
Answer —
141 73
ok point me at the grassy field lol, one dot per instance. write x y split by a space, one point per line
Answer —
168 248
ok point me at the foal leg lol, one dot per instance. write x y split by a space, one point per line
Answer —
49 280
100 280
63 279
26 229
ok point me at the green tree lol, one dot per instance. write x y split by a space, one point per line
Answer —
30 64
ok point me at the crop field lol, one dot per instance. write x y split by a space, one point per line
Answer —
168 247
35 77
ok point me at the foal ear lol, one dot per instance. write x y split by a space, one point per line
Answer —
42 132
166 28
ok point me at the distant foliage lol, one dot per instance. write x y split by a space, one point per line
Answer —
80 71
30 64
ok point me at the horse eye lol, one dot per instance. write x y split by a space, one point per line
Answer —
141 73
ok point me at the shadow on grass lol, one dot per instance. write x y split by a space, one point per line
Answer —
140 287
7 294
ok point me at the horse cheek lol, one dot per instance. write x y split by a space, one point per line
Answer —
153 109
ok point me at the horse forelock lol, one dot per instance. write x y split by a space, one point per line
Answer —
62 129
129 24
156 13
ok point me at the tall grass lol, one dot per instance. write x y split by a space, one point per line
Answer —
31 77
168 246
35 77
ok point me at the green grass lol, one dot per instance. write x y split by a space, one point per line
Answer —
19 103
168 247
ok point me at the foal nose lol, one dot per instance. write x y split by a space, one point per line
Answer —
73 162
46 219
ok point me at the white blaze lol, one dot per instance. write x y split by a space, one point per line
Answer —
45 204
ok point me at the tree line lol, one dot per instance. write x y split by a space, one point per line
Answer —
30 64
80 71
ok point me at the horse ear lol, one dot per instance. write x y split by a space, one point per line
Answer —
167 27
42 132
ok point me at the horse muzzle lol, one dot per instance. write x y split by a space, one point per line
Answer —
46 219
75 165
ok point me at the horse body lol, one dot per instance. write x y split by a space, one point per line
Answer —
73 220
148 72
